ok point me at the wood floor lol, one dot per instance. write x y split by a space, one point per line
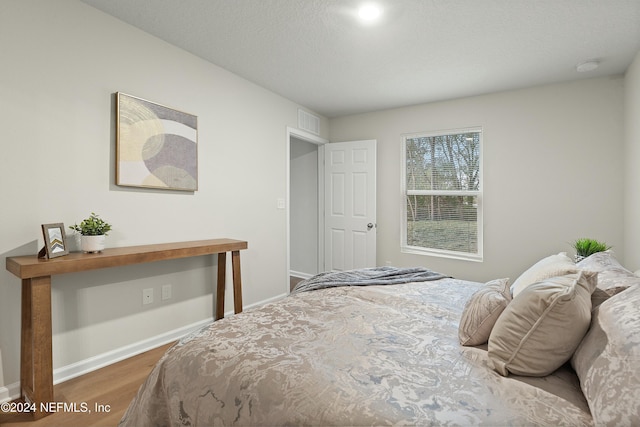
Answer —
293 281
112 387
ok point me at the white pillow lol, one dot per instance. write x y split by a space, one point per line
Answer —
551 266
541 328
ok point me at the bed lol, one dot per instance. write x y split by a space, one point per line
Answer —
393 354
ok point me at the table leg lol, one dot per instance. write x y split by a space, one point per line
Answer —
36 357
237 282
26 341
221 283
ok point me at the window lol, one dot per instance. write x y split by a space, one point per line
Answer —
442 187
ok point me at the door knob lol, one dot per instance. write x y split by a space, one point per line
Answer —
370 226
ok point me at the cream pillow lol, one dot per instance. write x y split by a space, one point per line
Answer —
482 310
551 266
541 328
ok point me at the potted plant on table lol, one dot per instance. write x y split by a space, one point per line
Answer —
92 233
585 247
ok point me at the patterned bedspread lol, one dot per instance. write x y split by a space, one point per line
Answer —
374 355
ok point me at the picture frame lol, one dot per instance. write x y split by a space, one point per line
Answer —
55 241
157 146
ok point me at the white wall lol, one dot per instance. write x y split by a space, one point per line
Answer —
304 207
62 62
632 164
553 171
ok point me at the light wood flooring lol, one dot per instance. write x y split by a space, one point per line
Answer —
293 281
114 385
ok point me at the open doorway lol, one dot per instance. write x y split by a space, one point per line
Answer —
305 245
303 207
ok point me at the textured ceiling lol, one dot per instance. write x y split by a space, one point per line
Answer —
316 52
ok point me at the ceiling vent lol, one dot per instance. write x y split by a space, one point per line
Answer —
308 122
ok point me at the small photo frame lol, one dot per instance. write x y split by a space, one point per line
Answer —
55 241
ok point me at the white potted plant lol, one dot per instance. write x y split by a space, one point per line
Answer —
93 231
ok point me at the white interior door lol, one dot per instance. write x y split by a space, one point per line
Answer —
350 205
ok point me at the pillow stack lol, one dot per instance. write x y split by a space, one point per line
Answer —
538 329
587 313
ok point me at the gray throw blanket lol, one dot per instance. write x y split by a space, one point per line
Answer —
367 276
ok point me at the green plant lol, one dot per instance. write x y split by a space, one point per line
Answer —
92 226
585 247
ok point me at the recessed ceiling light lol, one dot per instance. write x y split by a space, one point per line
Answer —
587 66
369 12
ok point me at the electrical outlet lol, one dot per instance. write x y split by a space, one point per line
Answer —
147 296
166 292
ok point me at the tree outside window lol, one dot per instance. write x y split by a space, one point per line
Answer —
442 187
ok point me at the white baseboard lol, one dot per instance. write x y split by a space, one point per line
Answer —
85 366
12 391
65 373
9 392
300 275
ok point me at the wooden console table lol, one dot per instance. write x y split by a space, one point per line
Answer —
36 357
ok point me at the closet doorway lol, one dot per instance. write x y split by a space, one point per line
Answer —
305 223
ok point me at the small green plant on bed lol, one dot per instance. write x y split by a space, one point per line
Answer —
585 247
92 226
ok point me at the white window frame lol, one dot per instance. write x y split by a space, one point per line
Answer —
404 247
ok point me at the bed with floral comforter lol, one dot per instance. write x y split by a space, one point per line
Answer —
361 355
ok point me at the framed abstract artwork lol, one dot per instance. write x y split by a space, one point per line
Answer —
157 146
55 241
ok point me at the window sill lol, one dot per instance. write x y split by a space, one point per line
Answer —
441 253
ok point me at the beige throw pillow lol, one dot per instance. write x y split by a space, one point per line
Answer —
541 328
482 310
551 266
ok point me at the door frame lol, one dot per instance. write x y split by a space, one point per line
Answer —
314 139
